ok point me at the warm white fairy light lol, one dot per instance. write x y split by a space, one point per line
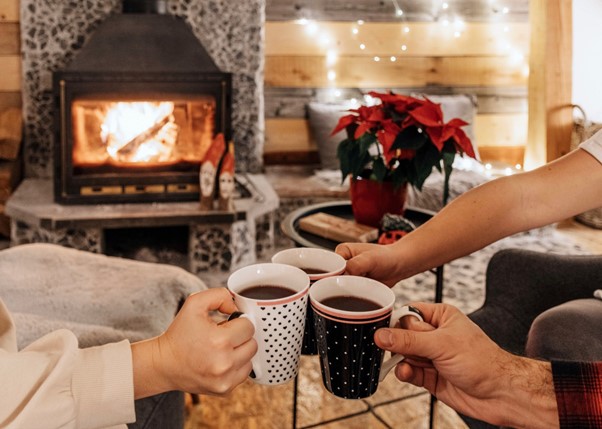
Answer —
505 10
360 22
518 167
331 57
457 34
444 6
311 28
404 47
302 21
399 12
393 59
377 58
362 46
332 75
354 30
406 29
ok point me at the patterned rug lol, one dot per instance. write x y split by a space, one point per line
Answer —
464 278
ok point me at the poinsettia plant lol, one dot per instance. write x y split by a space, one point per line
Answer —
400 139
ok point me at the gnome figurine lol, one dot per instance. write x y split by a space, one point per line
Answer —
226 181
208 171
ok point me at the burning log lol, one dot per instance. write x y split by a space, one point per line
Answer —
132 146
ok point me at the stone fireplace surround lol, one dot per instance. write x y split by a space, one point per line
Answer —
232 33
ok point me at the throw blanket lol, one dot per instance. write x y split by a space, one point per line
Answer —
100 298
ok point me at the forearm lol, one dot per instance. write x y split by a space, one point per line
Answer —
473 220
150 377
527 395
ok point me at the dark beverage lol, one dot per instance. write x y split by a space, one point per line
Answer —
351 303
313 271
267 292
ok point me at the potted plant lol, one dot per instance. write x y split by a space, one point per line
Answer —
393 143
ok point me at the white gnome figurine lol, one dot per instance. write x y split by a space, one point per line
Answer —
208 172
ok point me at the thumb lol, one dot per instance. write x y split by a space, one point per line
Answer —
412 343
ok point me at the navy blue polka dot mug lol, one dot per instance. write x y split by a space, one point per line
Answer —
274 298
318 264
347 312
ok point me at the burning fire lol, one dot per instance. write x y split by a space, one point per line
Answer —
140 131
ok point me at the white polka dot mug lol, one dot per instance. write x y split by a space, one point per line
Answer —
347 312
318 264
274 298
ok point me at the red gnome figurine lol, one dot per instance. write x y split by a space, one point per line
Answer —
226 181
208 171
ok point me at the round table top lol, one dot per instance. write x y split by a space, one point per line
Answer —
290 224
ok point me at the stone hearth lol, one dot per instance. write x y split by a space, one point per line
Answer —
217 241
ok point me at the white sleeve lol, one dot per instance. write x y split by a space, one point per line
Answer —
593 146
54 384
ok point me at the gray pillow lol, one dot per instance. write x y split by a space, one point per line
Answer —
323 117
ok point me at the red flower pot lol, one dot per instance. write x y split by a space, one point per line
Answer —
371 200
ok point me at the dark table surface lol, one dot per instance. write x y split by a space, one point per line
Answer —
290 224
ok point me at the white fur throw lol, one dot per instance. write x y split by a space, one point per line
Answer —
100 298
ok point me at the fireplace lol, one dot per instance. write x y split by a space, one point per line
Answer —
136 110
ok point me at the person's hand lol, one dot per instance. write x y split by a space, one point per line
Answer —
453 359
196 354
376 261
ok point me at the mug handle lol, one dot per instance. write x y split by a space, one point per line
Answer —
389 364
256 371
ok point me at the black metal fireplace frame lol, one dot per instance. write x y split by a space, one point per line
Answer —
139 184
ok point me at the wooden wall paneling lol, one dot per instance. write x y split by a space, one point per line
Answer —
286 102
511 155
386 39
550 88
379 10
9 10
9 38
11 73
417 71
490 130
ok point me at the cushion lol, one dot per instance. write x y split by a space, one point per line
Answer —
323 117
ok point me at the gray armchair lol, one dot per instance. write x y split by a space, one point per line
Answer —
523 284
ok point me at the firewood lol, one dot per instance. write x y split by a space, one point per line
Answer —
11 132
337 228
131 146
4 223
10 175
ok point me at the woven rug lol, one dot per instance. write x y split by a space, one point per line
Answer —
464 278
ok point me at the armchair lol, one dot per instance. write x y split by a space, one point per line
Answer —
523 284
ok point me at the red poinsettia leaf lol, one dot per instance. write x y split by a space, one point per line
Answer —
447 132
429 115
362 128
386 139
457 122
344 122
464 142
436 135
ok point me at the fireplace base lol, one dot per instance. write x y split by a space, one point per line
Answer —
217 241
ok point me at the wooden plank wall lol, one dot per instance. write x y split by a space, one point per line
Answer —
477 62
487 58
10 58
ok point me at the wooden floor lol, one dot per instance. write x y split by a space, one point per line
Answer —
395 405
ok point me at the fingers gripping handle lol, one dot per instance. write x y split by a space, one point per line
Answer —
406 310
256 371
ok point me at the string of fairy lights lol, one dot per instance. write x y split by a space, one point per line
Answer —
442 15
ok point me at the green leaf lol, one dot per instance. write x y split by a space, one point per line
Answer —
410 138
379 169
426 158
